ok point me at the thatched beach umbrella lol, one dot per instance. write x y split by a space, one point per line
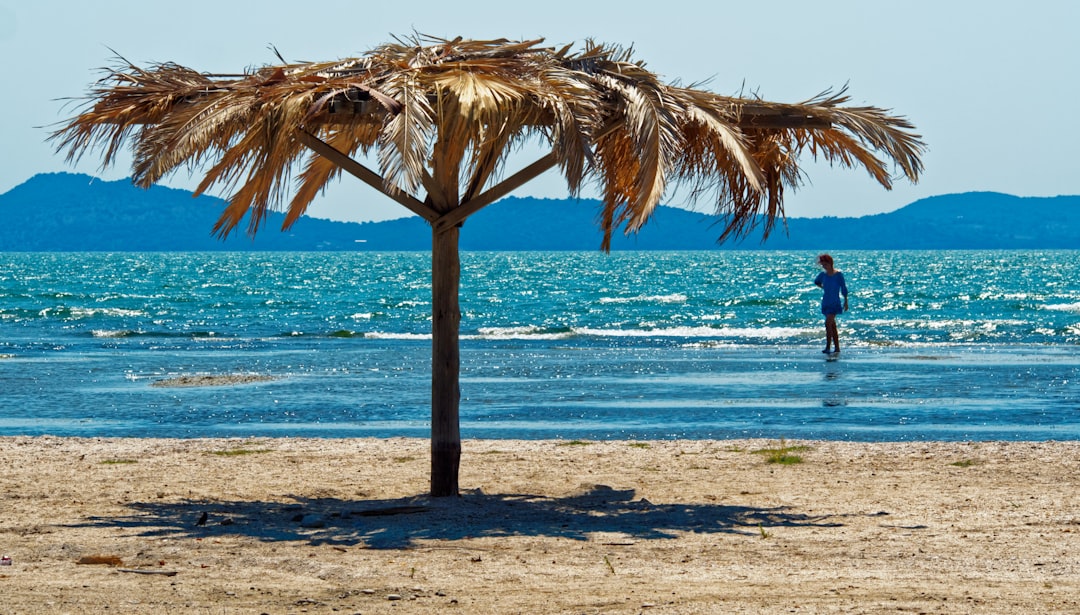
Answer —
441 117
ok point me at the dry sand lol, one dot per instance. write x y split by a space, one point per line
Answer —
344 526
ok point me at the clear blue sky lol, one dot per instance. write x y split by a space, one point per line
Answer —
993 86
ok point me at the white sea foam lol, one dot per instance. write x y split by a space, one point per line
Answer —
1064 307
712 344
536 333
997 296
81 312
110 333
726 316
531 332
107 312
879 322
381 335
671 298
700 332
767 332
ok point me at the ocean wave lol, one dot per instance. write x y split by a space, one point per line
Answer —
120 333
712 344
725 316
78 313
938 323
967 327
671 298
108 333
768 332
700 332
1063 307
987 295
384 335
531 332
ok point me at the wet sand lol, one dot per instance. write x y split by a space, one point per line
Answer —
345 526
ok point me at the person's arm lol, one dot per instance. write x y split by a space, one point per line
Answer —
843 290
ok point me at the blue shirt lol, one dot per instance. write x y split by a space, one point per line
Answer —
834 286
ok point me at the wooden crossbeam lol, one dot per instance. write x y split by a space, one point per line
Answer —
366 175
751 115
461 212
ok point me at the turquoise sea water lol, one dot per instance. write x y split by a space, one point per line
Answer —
937 345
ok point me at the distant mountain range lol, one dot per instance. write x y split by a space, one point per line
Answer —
71 212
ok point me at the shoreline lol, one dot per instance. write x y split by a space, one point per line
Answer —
542 526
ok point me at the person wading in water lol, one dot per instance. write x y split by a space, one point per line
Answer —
832 283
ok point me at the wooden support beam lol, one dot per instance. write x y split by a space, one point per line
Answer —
755 115
445 362
750 121
751 116
365 175
760 118
458 215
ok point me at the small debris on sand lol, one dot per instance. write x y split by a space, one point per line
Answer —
212 380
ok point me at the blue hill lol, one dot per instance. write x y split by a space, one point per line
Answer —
71 212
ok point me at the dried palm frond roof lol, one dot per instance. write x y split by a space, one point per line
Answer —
442 115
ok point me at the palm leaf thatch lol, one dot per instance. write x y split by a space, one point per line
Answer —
441 118
442 115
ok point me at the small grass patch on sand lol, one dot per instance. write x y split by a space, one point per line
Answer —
574 443
965 463
639 445
117 462
236 452
783 454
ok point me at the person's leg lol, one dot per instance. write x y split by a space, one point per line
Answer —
831 340
830 325
835 335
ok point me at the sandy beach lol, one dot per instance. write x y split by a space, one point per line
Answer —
345 526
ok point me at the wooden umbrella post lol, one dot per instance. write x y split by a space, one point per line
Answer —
445 361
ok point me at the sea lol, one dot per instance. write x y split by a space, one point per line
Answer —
937 345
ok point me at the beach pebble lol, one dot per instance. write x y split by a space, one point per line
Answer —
393 596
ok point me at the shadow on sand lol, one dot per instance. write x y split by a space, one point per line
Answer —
403 522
